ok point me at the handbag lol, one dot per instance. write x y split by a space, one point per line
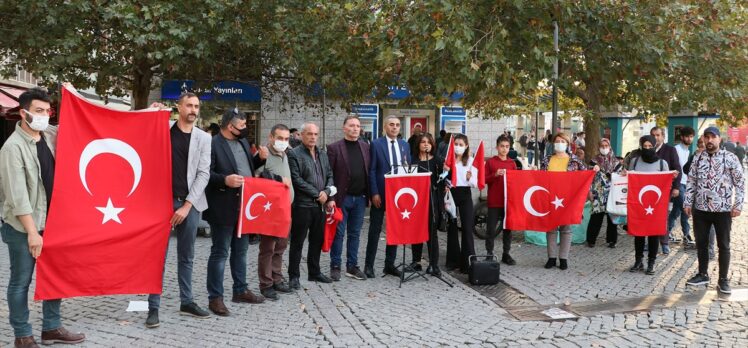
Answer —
449 205
617 195
483 270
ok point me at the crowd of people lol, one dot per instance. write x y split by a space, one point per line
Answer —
208 172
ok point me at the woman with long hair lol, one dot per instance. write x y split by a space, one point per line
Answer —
425 158
458 254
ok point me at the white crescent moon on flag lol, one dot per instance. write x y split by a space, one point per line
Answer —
406 191
528 204
115 147
648 188
249 205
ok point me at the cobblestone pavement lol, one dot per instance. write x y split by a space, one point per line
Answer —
428 313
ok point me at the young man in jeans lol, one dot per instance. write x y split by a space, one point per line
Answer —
684 151
27 168
714 175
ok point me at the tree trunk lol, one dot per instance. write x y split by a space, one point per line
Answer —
592 119
141 85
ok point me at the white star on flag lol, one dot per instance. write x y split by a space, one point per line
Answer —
558 202
267 206
110 212
649 210
406 214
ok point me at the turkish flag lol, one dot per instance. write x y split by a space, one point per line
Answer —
407 207
449 160
479 163
647 203
265 208
108 223
541 201
331 227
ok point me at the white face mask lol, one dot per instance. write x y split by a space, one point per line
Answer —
559 147
459 150
38 122
280 145
605 151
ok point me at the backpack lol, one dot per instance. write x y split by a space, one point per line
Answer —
636 160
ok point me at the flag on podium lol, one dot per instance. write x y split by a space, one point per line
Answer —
407 198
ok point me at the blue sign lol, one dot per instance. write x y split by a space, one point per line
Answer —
453 111
217 90
402 92
453 119
365 110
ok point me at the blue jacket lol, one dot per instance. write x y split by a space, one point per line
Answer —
380 162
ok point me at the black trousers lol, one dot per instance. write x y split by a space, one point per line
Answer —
653 243
495 217
702 223
458 253
432 244
302 220
593 229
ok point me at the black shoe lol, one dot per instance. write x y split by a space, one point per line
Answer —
391 270
355 273
507 259
435 271
637 267
723 286
335 274
194 310
650 267
369 272
152 320
282 287
698 279
612 245
551 263
416 267
563 264
269 293
320 278
294 283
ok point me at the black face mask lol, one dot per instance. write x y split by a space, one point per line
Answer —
242 133
648 155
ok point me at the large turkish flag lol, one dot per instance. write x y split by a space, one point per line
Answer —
407 207
541 201
108 223
265 209
647 203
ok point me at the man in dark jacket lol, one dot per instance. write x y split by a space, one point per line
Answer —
313 189
670 155
230 162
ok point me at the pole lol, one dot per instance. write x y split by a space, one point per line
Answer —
554 115
537 140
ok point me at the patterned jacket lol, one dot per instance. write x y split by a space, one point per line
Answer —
711 180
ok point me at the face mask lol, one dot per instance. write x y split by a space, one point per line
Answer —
648 155
280 145
459 150
559 147
605 151
242 132
38 122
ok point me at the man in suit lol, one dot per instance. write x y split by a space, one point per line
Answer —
230 162
349 160
670 155
190 171
388 154
313 187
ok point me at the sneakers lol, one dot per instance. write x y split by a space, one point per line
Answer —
355 273
723 285
698 279
674 239
194 310
152 320
650 268
61 335
335 273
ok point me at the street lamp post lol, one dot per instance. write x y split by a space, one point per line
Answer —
554 115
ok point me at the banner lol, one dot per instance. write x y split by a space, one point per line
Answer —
542 201
407 202
108 224
647 203
265 208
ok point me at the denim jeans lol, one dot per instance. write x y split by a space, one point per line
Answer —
224 238
678 212
530 157
21 269
353 218
186 234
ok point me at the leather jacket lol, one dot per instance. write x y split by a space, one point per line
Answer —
303 176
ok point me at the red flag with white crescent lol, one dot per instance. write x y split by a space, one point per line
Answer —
108 224
449 160
407 201
647 203
479 163
333 218
265 208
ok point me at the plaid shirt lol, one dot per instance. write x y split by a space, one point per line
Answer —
711 182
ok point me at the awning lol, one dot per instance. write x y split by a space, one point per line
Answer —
7 102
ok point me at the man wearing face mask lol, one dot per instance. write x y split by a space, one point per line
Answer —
670 155
350 161
230 162
27 166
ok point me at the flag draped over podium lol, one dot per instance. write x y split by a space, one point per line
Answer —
407 202
108 224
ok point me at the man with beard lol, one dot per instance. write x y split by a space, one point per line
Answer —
667 153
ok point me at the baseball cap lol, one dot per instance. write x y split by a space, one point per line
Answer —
713 130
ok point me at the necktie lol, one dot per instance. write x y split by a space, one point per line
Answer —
393 153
